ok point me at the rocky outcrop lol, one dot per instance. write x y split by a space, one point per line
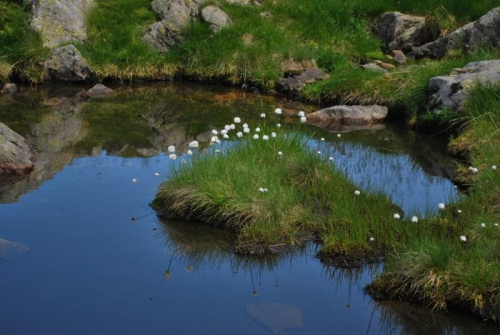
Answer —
451 91
99 90
68 64
9 88
348 115
485 31
15 153
60 21
402 32
293 85
175 16
216 17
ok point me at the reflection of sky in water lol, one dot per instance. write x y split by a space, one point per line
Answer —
396 175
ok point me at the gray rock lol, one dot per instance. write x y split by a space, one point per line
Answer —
451 91
373 67
483 32
9 88
60 21
399 57
348 115
401 32
68 64
240 2
175 15
265 15
216 17
99 91
15 153
293 85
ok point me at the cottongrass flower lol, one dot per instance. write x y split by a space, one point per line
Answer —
319 152
496 224
331 158
215 132
322 138
224 131
493 167
261 190
414 219
372 239
278 111
232 126
157 174
245 125
301 114
265 137
239 134
273 134
463 238
397 216
338 135
303 119
459 211
134 180
172 157
263 115
171 148
227 128
194 144
483 225
280 153
225 136
190 152
257 130
357 192
441 206
256 137
237 120
473 170
217 151
214 139
246 130
278 125
184 161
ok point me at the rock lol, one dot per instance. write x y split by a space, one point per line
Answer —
68 64
385 66
483 32
99 91
60 21
240 2
373 67
15 153
175 15
247 39
9 88
348 115
402 32
276 316
293 85
451 91
8 249
216 17
265 15
399 57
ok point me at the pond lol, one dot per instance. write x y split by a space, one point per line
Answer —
81 252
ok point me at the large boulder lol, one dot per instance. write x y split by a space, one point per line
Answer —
402 32
15 153
60 21
216 17
348 115
294 85
483 32
450 91
67 64
175 16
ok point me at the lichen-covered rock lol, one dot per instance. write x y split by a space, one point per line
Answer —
15 153
216 17
175 16
348 115
483 32
9 88
67 64
451 91
294 85
402 32
60 21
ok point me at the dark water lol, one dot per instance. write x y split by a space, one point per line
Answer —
73 262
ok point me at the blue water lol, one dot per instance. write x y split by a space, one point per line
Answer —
91 269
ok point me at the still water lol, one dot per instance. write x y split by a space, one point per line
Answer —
72 260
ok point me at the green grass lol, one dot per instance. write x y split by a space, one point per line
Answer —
452 273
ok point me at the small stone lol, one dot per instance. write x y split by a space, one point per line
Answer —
399 57
9 88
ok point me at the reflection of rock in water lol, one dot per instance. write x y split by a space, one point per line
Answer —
9 249
276 316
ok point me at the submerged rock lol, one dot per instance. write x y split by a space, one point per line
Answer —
16 155
276 316
402 32
68 64
60 21
451 91
99 90
216 17
483 32
9 88
348 115
293 85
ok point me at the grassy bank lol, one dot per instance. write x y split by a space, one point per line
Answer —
456 273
